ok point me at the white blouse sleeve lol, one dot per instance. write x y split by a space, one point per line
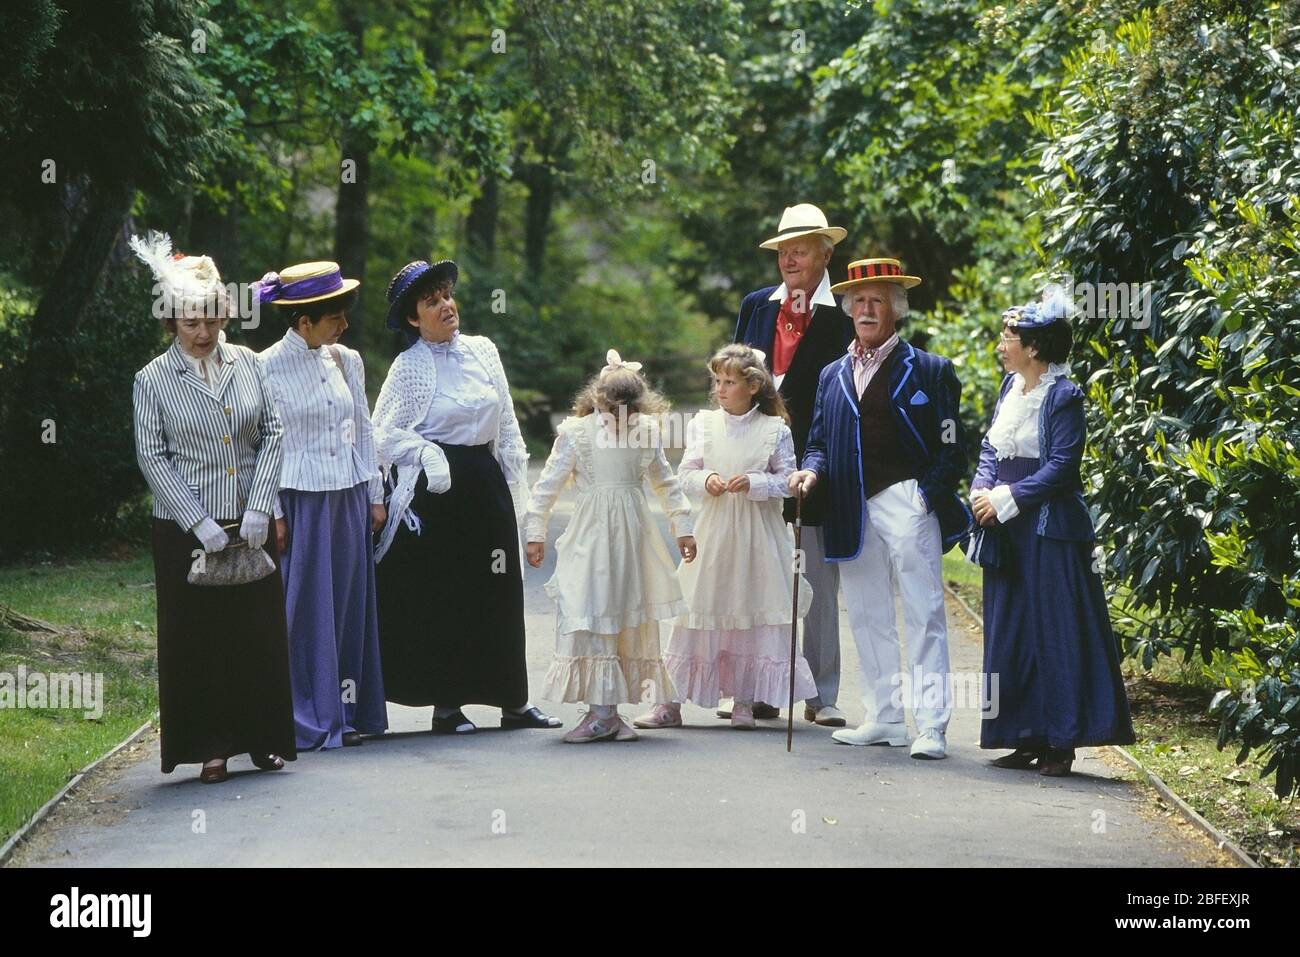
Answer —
691 472
671 496
396 441
775 482
365 430
555 475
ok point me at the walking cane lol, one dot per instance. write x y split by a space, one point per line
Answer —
794 613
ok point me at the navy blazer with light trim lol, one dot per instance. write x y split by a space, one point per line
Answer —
1056 489
924 394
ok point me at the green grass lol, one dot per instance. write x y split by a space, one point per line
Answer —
107 608
1176 740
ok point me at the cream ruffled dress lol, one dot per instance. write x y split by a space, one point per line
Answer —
614 579
734 640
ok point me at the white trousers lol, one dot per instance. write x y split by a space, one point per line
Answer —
901 546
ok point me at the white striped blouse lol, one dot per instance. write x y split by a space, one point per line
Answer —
328 440
207 451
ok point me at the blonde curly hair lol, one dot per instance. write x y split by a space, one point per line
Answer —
744 363
619 388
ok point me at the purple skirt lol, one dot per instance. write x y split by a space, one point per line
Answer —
329 588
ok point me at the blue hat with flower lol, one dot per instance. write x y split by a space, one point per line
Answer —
406 279
1036 315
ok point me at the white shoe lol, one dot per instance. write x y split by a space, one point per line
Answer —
828 716
873 732
930 745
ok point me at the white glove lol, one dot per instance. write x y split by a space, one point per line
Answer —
254 528
435 469
212 536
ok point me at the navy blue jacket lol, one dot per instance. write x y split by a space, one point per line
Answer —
925 396
1056 489
829 333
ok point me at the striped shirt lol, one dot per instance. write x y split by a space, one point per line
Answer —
207 451
328 440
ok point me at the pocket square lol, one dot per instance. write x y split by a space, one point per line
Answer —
920 398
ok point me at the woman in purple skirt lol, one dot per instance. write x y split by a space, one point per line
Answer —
1047 634
330 504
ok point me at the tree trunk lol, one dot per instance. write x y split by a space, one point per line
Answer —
481 225
540 179
352 214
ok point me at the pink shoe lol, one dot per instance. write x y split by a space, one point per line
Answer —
742 716
660 716
624 732
591 728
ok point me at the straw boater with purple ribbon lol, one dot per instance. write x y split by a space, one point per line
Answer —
329 504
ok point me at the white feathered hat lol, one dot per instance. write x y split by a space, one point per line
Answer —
186 285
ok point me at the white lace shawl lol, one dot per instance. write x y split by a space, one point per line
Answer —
403 404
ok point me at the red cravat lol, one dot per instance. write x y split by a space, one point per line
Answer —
790 327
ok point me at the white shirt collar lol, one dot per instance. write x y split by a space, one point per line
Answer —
444 348
822 295
743 417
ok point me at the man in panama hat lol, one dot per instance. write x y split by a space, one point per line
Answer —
800 327
886 440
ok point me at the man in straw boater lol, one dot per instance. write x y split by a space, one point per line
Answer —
801 328
886 440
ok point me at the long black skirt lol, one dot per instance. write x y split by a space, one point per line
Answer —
223 660
451 598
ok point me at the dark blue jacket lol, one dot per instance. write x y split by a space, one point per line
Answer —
1056 489
925 396
829 333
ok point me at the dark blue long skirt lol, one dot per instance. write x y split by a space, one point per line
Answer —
1047 638
330 598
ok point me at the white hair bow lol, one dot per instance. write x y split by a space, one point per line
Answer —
613 362
762 356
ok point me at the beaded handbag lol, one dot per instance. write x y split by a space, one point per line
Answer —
236 564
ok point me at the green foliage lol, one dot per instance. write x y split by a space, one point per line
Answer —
1171 158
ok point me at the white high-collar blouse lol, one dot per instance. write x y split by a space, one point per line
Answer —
1014 432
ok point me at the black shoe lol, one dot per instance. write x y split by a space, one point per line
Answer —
351 739
766 712
532 718
454 723
1021 759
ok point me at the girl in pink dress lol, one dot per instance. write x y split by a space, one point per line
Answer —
734 639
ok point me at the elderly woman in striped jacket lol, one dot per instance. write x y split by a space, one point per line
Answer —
330 503
207 438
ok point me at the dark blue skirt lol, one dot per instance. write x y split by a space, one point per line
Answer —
1048 641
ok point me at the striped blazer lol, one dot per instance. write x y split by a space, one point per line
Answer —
207 452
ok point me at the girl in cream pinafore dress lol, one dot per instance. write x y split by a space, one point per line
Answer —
614 580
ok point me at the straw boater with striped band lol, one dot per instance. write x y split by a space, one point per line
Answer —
876 270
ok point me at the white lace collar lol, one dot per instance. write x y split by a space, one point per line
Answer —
1019 407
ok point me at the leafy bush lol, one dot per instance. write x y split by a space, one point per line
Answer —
1171 158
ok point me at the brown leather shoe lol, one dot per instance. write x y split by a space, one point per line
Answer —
214 775
766 712
1056 763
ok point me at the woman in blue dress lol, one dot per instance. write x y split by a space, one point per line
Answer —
1047 634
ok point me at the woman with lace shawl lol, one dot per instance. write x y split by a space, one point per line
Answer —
1051 658
456 470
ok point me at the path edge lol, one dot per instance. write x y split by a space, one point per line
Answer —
20 835
1189 814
